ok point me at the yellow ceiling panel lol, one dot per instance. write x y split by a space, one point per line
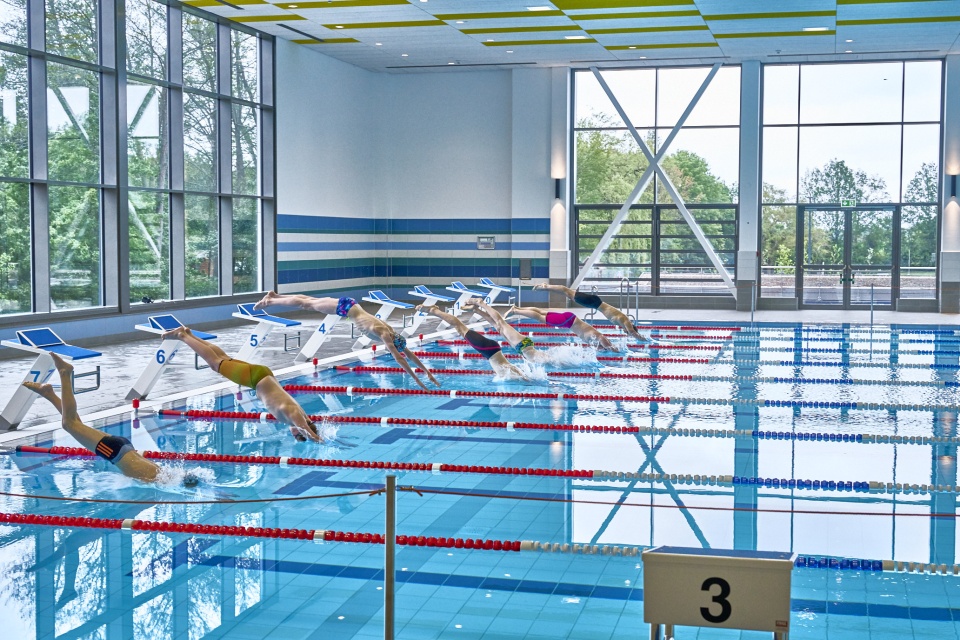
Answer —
337 4
284 17
664 29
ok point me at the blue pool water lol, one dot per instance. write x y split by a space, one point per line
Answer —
88 583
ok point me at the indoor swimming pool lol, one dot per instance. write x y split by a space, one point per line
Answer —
838 443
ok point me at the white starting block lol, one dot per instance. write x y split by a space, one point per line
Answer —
429 299
42 342
495 290
386 308
162 356
265 324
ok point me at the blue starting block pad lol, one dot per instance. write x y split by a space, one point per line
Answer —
163 355
42 342
162 324
489 284
462 289
265 324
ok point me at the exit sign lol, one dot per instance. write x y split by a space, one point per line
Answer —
848 203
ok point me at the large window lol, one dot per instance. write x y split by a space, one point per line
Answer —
195 122
656 248
862 138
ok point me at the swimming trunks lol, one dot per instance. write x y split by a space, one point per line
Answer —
113 448
523 344
244 373
400 343
344 305
563 320
483 345
588 300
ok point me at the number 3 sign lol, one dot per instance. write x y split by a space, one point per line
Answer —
717 588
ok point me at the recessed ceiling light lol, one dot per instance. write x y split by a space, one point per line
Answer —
451 63
489 39
816 28
291 6
339 26
403 55
379 44
509 50
538 8
849 40
631 47
643 57
460 21
848 51
575 37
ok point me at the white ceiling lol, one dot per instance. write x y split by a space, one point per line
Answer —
446 34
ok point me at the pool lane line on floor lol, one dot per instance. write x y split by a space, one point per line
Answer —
383 421
585 474
603 375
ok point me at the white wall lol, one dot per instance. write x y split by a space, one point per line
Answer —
328 115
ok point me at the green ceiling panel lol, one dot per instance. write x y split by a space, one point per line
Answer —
530 29
522 43
647 29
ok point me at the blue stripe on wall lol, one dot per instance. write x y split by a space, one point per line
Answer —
295 223
452 272
407 246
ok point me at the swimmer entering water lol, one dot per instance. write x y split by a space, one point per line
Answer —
115 449
565 320
521 344
256 376
593 301
489 349
370 326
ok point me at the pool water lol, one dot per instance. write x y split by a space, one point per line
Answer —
892 422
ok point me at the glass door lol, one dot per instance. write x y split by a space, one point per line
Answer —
846 257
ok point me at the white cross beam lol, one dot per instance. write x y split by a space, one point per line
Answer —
644 181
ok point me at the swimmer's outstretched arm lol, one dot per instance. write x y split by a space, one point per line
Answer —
416 362
406 365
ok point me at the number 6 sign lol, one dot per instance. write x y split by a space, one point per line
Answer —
717 588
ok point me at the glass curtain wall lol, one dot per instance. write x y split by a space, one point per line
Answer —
168 207
655 248
851 157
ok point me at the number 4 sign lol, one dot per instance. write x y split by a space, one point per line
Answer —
747 590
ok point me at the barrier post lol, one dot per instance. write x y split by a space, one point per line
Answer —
715 588
389 560
753 299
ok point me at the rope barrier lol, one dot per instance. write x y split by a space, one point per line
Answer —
196 414
477 356
601 375
303 388
436 468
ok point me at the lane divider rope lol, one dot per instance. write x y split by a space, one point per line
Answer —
384 421
871 487
304 388
598 375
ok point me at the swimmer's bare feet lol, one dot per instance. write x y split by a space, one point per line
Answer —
63 367
266 300
511 310
44 390
176 334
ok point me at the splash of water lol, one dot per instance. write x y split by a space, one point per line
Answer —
171 476
568 355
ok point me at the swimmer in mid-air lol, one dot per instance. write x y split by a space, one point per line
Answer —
115 449
593 301
565 320
255 376
521 344
489 349
370 326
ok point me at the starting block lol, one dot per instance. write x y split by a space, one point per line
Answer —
162 356
42 342
318 337
386 308
464 294
265 324
429 299
495 290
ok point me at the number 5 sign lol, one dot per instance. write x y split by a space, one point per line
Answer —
716 588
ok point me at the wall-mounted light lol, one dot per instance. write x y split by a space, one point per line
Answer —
952 187
557 190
